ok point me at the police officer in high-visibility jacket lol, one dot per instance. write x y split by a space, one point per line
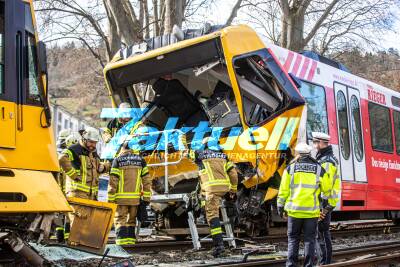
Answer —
82 166
298 198
130 184
331 165
218 176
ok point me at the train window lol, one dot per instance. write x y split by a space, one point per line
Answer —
343 125
396 101
396 118
2 44
356 129
381 128
32 79
317 117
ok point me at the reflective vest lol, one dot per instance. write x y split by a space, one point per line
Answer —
217 173
301 185
81 168
331 166
129 179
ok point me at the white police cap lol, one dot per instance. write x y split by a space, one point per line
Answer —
303 148
318 136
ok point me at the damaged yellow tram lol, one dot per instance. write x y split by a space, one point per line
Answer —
220 82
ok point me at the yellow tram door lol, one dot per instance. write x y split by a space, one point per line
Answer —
7 96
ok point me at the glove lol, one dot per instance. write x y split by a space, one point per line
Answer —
281 211
232 195
101 168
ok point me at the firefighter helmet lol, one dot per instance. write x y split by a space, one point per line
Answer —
91 134
63 134
72 139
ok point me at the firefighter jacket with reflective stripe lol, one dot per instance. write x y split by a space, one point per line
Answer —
81 167
301 185
129 179
217 173
112 128
331 165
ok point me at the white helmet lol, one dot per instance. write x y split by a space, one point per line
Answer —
63 134
91 134
72 139
124 110
303 148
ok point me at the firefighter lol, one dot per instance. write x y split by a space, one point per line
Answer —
329 162
82 166
218 176
62 135
116 124
130 184
298 200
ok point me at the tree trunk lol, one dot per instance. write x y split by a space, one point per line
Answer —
127 24
295 31
173 14
113 38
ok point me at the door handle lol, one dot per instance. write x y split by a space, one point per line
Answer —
3 113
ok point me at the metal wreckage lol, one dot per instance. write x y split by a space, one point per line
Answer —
214 81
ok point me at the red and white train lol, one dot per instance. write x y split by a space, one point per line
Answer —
363 120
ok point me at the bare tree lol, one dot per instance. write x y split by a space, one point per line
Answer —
321 25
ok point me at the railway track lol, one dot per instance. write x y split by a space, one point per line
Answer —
357 256
156 246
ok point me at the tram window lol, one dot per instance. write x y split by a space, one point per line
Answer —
2 48
32 79
317 117
396 118
356 122
381 128
343 125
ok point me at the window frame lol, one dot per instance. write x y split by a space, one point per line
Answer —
371 129
326 102
396 132
262 53
353 127
348 122
29 99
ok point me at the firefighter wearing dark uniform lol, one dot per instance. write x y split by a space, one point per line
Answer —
331 165
116 124
218 176
302 183
82 166
130 183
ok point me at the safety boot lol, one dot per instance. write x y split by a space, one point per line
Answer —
121 235
67 229
60 234
218 249
131 237
216 234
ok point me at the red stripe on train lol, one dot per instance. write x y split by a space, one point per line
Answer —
304 68
288 61
312 71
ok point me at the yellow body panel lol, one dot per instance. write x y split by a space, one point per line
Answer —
40 188
35 146
7 125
